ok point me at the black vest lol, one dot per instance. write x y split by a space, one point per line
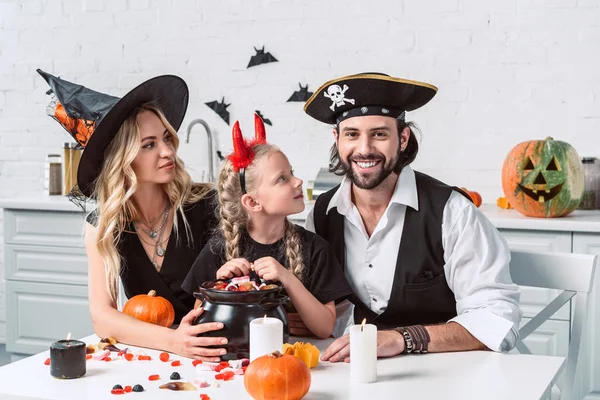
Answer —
420 293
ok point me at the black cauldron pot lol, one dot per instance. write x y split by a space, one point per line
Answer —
235 310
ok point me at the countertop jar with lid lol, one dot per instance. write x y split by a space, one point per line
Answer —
591 193
53 175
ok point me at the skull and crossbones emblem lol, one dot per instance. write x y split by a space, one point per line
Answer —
337 96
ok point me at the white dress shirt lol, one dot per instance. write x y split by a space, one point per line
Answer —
476 262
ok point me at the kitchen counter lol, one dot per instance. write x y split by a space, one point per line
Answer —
41 203
432 376
577 221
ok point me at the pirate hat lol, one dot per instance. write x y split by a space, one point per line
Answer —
367 94
94 118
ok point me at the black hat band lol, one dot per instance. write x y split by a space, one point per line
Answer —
371 110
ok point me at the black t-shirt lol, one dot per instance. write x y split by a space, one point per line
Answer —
323 275
139 276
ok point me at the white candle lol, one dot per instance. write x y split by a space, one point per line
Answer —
363 352
266 336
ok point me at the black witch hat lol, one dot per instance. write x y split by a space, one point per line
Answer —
94 118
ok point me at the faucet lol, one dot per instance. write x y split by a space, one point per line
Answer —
209 135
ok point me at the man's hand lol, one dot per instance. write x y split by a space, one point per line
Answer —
389 344
339 350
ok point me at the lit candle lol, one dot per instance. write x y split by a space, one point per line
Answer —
266 336
67 358
363 352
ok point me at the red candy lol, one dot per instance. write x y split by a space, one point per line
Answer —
88 357
128 356
144 358
107 359
47 362
164 357
176 363
204 397
196 362
127 389
219 377
117 391
154 377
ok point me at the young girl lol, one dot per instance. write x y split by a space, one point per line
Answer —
151 221
257 190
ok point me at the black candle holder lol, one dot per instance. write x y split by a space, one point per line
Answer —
67 359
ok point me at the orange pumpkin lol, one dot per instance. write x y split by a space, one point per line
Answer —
475 197
151 308
543 178
277 377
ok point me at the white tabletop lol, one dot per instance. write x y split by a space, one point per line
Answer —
464 375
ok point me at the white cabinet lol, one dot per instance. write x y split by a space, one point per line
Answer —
46 274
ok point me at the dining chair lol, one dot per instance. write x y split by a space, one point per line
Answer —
574 275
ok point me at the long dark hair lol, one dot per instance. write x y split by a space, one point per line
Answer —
404 157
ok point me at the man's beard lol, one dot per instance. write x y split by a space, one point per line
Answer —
369 180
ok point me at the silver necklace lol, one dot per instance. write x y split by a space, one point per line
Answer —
158 233
153 233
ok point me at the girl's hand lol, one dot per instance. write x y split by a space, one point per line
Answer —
187 344
235 267
269 269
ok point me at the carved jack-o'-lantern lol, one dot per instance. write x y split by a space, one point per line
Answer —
543 178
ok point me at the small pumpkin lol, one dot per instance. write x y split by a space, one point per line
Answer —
475 197
277 376
543 178
503 203
151 308
307 352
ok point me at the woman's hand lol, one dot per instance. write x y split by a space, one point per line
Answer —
269 269
187 344
235 267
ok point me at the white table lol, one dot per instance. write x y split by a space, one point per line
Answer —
465 375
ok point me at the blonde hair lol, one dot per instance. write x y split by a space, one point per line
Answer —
117 183
235 218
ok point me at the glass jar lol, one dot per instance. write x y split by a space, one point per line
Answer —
53 175
71 155
592 183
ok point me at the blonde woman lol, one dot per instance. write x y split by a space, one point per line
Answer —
257 191
151 221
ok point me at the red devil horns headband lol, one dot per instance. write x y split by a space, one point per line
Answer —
243 154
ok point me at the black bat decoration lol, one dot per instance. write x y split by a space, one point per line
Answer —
265 120
261 58
301 95
220 108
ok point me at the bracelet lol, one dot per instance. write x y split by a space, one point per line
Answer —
408 342
416 339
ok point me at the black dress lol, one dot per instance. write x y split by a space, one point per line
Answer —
139 276
323 275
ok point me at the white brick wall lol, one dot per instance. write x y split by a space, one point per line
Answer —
507 70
